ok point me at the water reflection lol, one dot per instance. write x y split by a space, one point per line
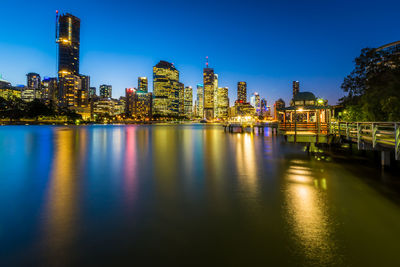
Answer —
307 212
61 210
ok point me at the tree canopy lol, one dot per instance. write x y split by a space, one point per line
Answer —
373 87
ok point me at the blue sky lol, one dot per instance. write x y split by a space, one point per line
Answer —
268 44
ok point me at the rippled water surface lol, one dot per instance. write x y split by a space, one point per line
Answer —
191 195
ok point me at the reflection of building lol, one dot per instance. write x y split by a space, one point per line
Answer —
296 87
105 91
188 101
223 103
208 84
278 105
143 84
242 92
166 88
199 101
68 39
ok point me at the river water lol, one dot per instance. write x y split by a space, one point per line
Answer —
187 195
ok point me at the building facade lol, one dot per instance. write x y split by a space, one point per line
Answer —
242 92
188 101
200 101
105 91
143 84
208 84
68 39
223 103
166 89
296 87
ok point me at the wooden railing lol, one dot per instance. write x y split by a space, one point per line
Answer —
386 134
321 128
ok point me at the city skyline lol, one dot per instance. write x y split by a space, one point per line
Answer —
269 67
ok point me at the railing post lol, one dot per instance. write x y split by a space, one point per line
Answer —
397 141
347 130
358 135
373 131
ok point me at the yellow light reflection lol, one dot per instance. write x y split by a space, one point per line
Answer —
60 212
307 214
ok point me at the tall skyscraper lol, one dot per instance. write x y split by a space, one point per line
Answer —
69 86
242 92
143 84
278 105
83 92
188 102
296 87
49 89
223 103
105 91
92 92
208 83
200 101
166 89
215 95
256 102
33 85
138 104
68 39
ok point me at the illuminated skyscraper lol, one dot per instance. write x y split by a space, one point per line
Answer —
278 105
188 102
256 102
68 39
143 84
296 87
242 92
215 95
208 83
83 92
49 89
166 89
223 103
200 101
92 92
105 91
69 86
33 85
138 104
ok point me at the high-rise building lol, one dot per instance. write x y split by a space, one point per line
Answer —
200 101
138 104
215 95
92 92
208 84
296 87
278 105
255 101
166 89
68 39
143 84
83 92
69 87
105 91
49 89
33 83
181 88
223 103
188 101
242 92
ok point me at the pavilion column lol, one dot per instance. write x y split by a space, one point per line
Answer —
308 116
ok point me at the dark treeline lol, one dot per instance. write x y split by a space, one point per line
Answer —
373 87
16 109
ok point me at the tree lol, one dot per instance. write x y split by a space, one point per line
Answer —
373 87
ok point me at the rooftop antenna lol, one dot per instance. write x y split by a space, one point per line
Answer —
57 30
206 61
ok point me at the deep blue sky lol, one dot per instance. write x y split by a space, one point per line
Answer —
266 43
